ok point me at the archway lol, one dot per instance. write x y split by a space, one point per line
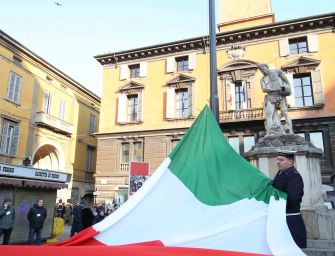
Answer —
47 157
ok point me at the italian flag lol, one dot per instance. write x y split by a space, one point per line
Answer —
204 199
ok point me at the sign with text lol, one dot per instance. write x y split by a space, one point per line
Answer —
138 174
32 173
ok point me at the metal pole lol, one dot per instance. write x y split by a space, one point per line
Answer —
214 102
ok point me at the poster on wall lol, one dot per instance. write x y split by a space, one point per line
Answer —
138 174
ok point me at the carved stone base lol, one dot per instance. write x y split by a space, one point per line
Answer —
281 141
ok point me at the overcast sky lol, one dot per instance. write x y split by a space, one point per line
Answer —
69 36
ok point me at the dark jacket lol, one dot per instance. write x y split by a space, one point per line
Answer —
7 217
87 217
290 182
36 216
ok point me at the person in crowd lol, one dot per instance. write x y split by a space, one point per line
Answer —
7 219
68 214
100 216
36 217
59 209
87 218
77 224
290 181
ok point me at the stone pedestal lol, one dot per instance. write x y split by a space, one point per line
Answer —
307 161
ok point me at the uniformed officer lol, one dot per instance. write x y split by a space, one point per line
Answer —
290 181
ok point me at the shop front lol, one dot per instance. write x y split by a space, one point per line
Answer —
25 186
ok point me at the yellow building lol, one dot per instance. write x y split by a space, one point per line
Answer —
151 95
47 118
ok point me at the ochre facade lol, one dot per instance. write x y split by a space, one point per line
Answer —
152 95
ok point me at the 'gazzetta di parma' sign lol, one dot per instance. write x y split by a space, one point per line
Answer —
32 173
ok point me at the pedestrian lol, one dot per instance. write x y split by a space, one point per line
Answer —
87 218
77 224
36 217
7 219
290 181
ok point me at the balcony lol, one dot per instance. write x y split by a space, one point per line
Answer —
241 115
124 167
53 123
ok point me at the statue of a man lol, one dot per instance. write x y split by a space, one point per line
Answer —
276 85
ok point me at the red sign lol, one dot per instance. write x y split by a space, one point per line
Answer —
139 169
138 174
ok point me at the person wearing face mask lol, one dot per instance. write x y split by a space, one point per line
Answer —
7 218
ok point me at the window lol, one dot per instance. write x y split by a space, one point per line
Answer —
234 143
14 87
9 137
179 102
130 151
301 134
182 103
248 143
61 109
125 153
137 155
298 45
134 70
182 63
174 143
91 128
89 159
241 100
47 102
303 90
132 107
317 140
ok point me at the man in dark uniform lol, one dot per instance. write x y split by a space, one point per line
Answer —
289 181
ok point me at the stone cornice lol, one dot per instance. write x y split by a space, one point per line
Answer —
225 38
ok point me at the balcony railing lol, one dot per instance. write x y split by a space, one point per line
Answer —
241 115
124 167
53 123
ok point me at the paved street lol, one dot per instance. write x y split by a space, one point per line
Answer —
66 233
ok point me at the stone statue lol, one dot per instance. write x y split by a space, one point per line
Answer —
276 85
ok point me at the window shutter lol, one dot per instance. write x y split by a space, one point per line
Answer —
245 95
4 136
61 109
122 108
124 72
291 98
11 86
283 47
170 103
170 64
17 86
15 141
46 102
312 41
318 97
143 69
190 100
232 97
140 106
51 98
192 61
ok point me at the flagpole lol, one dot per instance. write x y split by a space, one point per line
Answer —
214 104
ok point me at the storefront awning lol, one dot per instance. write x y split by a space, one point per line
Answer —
10 181
43 184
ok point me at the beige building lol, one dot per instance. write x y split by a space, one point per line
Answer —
153 94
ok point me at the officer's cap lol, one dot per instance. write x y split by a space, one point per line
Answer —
287 153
